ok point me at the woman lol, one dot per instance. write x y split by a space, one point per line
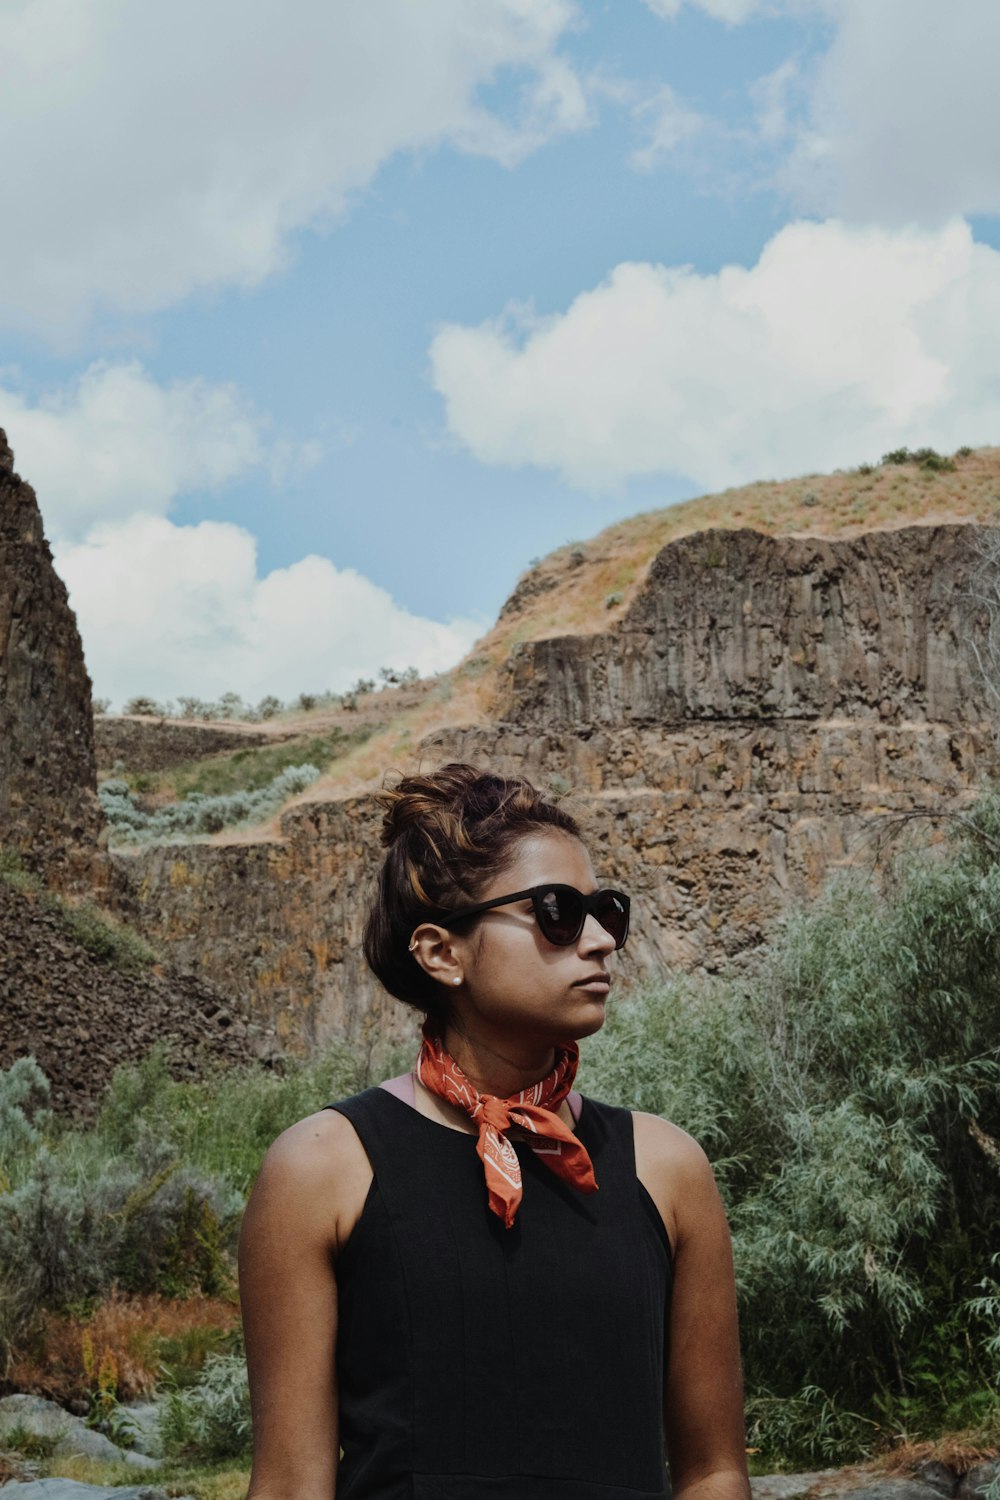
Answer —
471 1280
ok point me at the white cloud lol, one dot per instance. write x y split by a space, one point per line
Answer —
664 122
169 610
838 344
115 441
733 12
772 97
905 114
153 149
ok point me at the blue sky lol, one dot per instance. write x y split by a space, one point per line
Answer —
315 333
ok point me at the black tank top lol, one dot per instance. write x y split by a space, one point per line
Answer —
482 1363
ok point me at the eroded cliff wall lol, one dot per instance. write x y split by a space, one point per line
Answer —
741 732
48 800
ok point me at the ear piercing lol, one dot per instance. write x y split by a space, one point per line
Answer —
456 981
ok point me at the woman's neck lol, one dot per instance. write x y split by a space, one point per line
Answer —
499 1066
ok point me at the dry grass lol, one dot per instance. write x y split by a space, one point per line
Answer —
225 1482
123 1343
960 1451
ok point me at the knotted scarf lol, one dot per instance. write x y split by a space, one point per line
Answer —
533 1109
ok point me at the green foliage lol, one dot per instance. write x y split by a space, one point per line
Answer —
23 1088
222 1128
839 1092
143 706
211 1419
112 942
393 677
924 458
79 1224
256 767
28 1444
197 814
14 873
232 707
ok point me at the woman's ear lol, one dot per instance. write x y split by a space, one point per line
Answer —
434 949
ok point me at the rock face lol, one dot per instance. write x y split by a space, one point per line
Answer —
48 802
155 744
736 625
743 731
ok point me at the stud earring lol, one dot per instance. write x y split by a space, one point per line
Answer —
456 981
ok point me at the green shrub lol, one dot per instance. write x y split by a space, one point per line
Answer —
254 768
924 458
14 873
839 1092
210 1420
23 1090
197 814
146 707
112 942
223 1127
78 1224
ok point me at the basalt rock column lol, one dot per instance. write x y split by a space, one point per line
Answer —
49 811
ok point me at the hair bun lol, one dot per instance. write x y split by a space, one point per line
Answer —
435 804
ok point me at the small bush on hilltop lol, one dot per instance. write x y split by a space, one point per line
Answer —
849 1097
231 706
924 458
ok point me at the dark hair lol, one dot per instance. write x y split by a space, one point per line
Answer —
448 833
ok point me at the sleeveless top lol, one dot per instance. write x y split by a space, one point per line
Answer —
477 1362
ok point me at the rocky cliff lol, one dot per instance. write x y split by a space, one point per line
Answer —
48 802
61 999
743 728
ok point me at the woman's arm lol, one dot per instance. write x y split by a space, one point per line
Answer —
307 1198
703 1394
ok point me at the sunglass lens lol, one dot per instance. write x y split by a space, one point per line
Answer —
612 913
559 915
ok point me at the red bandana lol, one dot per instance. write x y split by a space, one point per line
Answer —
533 1109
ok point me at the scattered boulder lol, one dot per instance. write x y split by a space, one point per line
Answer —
787 1486
46 1420
978 1480
73 1489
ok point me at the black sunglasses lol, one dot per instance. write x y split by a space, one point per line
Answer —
561 911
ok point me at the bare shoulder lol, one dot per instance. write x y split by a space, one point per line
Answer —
675 1172
315 1171
668 1145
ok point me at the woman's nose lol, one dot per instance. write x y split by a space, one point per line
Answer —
594 938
